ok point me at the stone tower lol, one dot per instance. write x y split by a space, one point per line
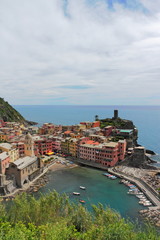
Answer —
115 114
29 145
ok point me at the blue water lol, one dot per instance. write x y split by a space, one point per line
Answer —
146 118
98 188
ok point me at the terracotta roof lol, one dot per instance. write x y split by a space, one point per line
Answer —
67 132
91 142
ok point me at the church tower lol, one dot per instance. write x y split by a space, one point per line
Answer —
29 145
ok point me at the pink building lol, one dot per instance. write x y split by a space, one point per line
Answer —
56 145
122 149
43 146
20 146
108 130
107 154
4 162
2 123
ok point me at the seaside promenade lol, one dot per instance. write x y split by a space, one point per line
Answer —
150 194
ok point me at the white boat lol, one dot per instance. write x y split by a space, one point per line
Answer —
139 193
81 187
147 201
139 196
147 204
132 192
113 177
143 198
76 193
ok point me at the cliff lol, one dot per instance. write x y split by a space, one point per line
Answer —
9 114
117 122
120 123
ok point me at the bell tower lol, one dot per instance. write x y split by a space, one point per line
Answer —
29 145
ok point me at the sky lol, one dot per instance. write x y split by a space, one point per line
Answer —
84 52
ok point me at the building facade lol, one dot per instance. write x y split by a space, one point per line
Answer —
107 154
24 170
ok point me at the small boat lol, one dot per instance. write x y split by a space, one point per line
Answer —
76 193
132 192
147 204
82 201
106 174
139 195
81 187
113 177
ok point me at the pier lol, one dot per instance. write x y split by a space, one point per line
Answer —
150 193
146 189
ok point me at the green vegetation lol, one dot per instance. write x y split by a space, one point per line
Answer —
118 123
53 217
117 138
9 114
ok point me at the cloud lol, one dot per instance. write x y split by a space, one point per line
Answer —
83 51
75 87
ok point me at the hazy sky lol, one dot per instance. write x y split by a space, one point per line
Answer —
95 52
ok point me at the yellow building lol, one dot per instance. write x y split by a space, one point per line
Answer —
65 145
3 137
73 147
11 150
29 145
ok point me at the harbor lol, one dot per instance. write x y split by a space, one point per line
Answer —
98 189
150 193
152 213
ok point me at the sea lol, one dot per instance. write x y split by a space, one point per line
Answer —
99 189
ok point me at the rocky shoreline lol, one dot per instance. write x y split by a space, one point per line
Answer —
35 186
152 216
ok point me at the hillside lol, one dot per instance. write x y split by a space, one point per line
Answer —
54 217
118 123
9 114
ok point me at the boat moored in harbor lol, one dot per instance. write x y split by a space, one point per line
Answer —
76 193
109 176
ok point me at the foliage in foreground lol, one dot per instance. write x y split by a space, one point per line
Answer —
52 217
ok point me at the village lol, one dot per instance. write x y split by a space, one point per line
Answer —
27 151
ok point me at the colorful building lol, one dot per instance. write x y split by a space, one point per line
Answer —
65 145
11 150
4 162
20 147
3 136
107 154
24 170
73 147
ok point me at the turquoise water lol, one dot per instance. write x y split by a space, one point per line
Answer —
99 189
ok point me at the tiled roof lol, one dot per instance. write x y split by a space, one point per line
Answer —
6 145
3 156
24 162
